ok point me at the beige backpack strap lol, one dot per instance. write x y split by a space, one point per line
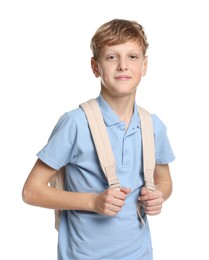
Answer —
101 141
148 145
103 148
148 148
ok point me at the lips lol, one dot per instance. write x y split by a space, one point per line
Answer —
123 77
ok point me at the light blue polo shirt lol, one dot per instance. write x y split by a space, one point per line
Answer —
91 236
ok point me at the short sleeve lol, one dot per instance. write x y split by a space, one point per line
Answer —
59 149
163 151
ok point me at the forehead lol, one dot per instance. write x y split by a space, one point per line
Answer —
129 46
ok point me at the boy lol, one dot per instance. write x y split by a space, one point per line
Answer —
97 222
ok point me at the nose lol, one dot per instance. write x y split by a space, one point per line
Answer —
122 65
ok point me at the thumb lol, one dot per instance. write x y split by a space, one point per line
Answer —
144 191
125 190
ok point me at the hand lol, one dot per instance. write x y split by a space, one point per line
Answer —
110 202
151 201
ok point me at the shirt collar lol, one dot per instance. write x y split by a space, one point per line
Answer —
111 118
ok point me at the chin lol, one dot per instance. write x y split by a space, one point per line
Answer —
125 94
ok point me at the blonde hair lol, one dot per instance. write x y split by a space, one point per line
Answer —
118 31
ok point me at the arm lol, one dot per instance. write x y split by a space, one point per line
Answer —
163 181
152 201
37 192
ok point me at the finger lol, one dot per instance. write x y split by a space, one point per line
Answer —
111 194
153 210
152 202
151 195
115 208
110 213
118 202
112 210
145 195
125 190
144 191
119 194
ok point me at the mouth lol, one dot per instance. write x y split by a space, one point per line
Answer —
123 77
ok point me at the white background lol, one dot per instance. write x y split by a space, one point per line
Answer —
45 71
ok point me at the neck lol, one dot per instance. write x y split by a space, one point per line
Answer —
122 106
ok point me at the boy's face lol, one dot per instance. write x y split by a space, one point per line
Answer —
120 68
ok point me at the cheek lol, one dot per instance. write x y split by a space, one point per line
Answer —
138 72
105 73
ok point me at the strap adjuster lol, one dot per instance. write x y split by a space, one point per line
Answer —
114 183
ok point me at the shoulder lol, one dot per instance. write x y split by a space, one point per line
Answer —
75 116
70 121
158 124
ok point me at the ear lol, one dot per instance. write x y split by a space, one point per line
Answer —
94 67
144 67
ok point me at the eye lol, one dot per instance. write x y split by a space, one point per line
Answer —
112 57
133 57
